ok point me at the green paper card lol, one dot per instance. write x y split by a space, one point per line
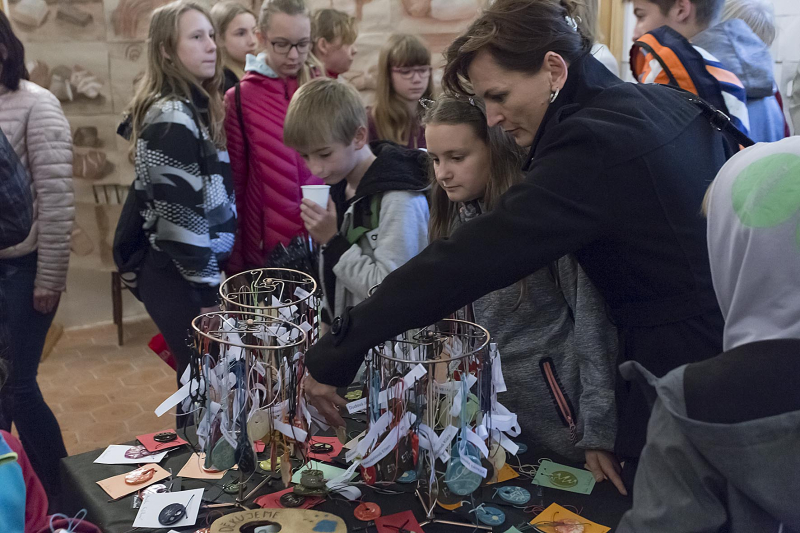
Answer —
330 471
512 529
556 476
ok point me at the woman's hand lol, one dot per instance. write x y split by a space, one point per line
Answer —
45 301
604 465
325 399
320 223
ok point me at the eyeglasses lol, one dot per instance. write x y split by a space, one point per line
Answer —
284 47
407 73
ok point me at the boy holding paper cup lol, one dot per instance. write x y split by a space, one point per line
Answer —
376 216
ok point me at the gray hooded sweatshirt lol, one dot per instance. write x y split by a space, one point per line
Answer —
741 51
723 442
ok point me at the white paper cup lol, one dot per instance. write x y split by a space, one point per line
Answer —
317 194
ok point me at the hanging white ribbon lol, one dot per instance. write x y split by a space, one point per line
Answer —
390 442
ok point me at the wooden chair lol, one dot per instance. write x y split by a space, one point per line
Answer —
112 194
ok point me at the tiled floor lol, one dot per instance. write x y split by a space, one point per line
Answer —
102 393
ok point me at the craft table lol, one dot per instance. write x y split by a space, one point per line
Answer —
80 474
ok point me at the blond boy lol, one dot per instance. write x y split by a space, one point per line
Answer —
376 218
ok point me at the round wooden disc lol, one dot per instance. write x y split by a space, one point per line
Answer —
294 520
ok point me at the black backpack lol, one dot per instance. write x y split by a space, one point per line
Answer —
130 241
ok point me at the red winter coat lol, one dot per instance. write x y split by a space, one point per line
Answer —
268 189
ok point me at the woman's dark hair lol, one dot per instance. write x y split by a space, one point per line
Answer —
518 34
12 56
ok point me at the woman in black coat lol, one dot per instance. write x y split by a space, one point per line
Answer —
616 175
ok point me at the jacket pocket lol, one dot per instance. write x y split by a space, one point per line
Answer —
562 403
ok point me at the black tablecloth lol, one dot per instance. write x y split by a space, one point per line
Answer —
79 476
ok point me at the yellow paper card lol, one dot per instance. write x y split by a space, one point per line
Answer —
556 513
506 473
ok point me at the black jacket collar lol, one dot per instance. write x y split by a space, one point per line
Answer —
586 78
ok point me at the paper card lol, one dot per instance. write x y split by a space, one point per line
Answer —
152 446
329 471
194 468
260 446
354 442
557 476
272 501
117 488
512 529
330 456
153 504
394 522
556 513
505 474
115 455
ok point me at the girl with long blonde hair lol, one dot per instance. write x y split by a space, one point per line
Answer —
267 174
183 186
404 76
237 37
551 329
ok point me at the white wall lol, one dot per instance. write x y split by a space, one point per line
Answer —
786 48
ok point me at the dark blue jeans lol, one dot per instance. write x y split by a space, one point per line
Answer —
172 304
21 401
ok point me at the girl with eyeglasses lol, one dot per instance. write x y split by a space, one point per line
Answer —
404 76
267 174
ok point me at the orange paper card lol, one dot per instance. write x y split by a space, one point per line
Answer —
117 488
505 474
549 519
194 468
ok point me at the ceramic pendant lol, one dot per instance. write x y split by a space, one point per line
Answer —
223 455
258 425
497 456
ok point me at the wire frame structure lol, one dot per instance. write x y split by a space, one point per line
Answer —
425 391
246 373
278 292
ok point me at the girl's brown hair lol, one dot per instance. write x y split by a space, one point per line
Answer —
517 34
392 118
312 67
505 159
166 78
505 164
223 14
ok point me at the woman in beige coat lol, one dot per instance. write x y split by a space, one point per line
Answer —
33 273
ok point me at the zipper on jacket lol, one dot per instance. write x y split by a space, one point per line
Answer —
286 90
563 404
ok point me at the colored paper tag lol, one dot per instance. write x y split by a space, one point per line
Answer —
115 455
394 522
555 514
193 469
557 476
152 446
116 487
148 515
505 474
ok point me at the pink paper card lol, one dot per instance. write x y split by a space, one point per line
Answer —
152 446
260 446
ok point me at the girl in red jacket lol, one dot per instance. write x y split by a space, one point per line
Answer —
404 76
267 175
